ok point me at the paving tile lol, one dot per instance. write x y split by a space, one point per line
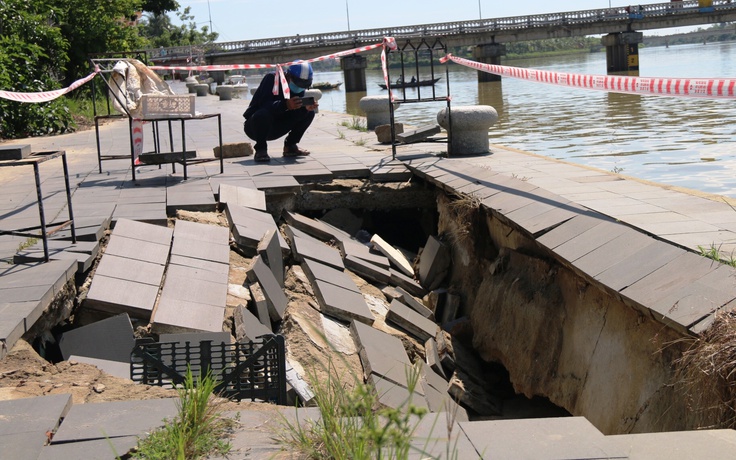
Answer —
276 184
627 244
438 435
197 249
434 263
184 270
666 280
275 296
242 196
589 241
341 303
396 396
394 255
638 265
114 419
411 321
410 285
143 231
367 270
219 269
247 326
412 302
381 353
114 368
195 337
134 270
99 449
554 438
261 304
110 339
24 424
677 444
121 296
305 248
318 271
270 252
85 228
180 285
154 214
15 320
138 249
314 227
176 316
206 233
199 201
570 229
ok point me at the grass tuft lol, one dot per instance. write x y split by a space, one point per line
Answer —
707 373
714 253
199 430
357 123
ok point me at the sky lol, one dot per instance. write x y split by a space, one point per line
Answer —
238 20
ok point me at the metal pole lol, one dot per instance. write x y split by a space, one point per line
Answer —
480 15
347 12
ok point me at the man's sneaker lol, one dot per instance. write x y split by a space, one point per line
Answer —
293 150
261 156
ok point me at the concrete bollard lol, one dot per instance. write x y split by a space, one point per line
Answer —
191 87
316 94
377 110
225 92
469 128
202 89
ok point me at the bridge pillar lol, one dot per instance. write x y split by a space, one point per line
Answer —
622 51
353 68
489 54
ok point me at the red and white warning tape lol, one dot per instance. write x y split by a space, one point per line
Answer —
721 88
46 96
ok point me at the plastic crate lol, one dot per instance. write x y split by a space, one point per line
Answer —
168 106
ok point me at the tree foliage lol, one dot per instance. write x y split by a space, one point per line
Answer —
161 32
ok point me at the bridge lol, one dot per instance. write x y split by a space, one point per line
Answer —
620 28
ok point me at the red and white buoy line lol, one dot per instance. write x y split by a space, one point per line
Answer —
716 88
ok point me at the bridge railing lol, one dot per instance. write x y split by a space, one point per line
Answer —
358 37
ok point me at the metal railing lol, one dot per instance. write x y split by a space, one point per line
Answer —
487 26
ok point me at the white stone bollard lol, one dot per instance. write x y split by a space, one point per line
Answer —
469 128
377 110
316 94
191 87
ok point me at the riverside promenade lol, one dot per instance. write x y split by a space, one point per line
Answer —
635 238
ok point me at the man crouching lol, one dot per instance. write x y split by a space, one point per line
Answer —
270 116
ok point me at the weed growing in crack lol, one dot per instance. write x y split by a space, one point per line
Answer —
356 123
199 430
714 253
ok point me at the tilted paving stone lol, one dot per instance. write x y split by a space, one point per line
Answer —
261 304
142 231
150 213
564 437
394 255
85 228
114 419
434 263
25 424
270 251
116 296
275 296
242 196
99 449
138 249
249 225
367 270
341 303
381 353
438 399
396 396
411 321
317 271
315 250
109 339
412 302
247 326
398 279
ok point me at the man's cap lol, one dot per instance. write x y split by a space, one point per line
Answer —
301 73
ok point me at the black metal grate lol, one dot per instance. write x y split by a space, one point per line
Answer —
253 370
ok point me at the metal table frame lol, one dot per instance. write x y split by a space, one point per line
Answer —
34 159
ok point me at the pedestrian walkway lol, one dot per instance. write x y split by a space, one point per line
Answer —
638 239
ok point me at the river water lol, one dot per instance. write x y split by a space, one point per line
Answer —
686 142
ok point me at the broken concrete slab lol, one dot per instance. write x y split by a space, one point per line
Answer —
310 249
25 424
121 296
110 339
418 134
142 231
275 296
411 321
393 254
560 437
115 419
415 304
434 263
396 396
270 251
99 449
247 326
261 305
398 279
116 368
249 225
317 271
433 358
342 303
242 196
175 316
367 270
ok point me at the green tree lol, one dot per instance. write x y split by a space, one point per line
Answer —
33 57
161 32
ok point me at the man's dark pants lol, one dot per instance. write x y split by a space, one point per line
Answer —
264 126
